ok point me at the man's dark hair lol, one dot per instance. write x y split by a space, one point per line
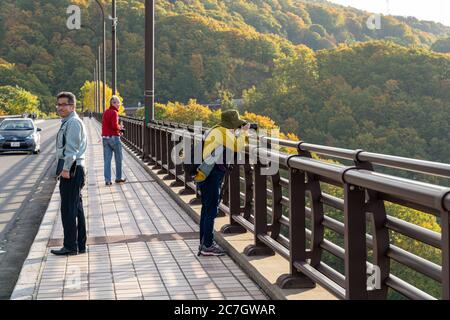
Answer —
69 95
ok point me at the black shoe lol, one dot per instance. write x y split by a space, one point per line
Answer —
64 252
108 184
214 250
121 180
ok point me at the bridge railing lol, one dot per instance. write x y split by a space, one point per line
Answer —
294 212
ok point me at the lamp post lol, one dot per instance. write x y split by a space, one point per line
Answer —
149 59
114 47
99 94
149 75
103 54
95 86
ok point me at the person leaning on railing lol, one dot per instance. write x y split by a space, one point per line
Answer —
211 173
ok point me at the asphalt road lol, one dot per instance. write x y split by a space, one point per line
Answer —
26 185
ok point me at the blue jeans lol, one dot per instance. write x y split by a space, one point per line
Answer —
111 145
210 189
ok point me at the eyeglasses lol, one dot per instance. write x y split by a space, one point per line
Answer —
63 105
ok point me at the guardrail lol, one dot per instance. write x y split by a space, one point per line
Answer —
289 212
6 117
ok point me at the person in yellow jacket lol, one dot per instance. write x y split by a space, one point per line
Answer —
229 134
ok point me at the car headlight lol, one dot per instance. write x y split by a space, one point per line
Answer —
30 137
1 137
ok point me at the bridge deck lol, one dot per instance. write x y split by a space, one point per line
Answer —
141 245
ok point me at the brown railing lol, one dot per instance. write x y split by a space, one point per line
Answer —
291 213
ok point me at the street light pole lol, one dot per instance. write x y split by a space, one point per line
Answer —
95 86
99 82
149 75
114 47
103 54
149 59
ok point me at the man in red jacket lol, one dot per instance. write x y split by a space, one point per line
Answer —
111 130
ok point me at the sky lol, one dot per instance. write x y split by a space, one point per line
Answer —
434 10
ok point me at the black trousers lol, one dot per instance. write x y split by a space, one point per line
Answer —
72 213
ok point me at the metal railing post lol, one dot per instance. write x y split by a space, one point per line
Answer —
163 151
233 195
445 227
260 214
297 233
355 242
169 147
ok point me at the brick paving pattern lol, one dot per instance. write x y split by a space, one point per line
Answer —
149 267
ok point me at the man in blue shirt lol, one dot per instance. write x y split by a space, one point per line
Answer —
71 145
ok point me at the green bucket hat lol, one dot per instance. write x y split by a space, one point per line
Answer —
231 120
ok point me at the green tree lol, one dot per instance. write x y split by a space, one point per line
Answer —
15 100
441 45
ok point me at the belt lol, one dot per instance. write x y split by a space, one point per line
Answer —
108 137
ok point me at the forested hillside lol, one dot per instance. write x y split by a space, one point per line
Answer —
317 23
377 96
313 66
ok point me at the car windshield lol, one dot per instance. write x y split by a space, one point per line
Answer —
16 125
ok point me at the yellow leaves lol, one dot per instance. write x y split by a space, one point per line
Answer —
418 218
293 137
15 100
191 112
272 129
413 216
262 121
81 3
6 65
88 95
188 114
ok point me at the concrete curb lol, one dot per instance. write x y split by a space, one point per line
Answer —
270 289
27 284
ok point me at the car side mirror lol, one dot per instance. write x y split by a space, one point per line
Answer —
39 129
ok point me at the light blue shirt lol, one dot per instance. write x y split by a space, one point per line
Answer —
72 127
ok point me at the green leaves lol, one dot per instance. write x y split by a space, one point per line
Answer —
441 45
15 100
376 96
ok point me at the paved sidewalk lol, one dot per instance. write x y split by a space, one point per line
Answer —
141 245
